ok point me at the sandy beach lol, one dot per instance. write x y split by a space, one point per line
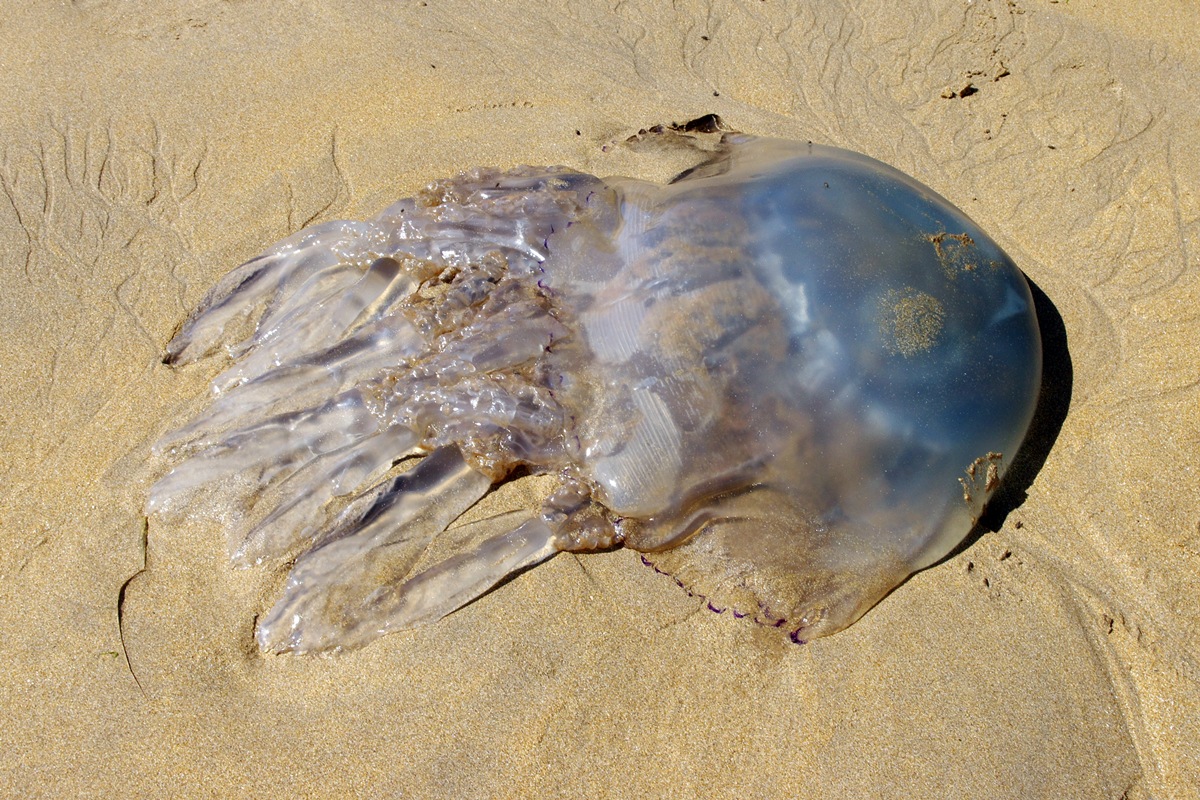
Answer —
148 148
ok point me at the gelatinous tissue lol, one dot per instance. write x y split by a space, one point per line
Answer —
791 377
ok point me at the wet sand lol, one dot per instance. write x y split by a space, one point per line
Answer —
148 148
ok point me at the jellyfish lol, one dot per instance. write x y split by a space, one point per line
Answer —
789 378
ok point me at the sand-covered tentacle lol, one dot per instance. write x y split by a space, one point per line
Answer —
302 383
267 281
449 585
370 596
270 450
356 301
301 502
329 596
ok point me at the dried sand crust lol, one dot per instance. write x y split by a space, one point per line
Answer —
147 148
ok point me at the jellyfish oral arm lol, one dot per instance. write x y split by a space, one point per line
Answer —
356 588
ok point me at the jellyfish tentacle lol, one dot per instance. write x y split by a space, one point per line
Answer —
302 382
300 503
372 593
372 588
270 450
264 283
337 592
450 584
316 326
284 312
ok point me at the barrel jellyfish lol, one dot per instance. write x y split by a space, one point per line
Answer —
789 378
